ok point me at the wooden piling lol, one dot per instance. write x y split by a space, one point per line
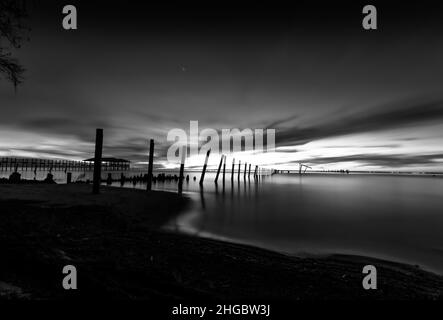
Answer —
249 173
68 178
239 169
255 172
244 173
219 168
182 169
224 169
233 169
202 178
97 161
151 164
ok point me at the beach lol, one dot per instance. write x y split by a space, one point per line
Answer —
117 243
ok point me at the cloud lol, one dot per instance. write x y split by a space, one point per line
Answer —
383 160
388 116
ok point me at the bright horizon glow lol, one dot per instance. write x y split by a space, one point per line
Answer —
322 155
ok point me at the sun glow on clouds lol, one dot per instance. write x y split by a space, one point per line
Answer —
35 145
417 148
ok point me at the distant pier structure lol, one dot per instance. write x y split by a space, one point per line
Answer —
31 164
111 164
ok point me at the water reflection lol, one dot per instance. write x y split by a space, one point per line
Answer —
392 217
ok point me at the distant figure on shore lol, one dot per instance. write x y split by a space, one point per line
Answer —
15 177
49 178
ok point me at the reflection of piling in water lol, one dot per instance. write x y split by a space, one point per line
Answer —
150 165
233 169
239 164
202 198
97 161
202 178
182 169
219 168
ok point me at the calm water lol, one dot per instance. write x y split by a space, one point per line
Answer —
399 218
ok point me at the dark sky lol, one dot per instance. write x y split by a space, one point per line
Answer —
337 95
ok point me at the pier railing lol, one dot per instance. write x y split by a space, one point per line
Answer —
31 164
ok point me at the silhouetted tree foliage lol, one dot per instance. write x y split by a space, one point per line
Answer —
12 34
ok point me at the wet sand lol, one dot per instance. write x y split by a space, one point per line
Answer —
115 242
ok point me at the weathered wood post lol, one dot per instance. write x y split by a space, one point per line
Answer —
224 169
239 169
97 161
244 173
249 173
233 169
182 169
69 178
202 178
255 172
150 165
219 168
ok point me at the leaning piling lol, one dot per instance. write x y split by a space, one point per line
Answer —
202 178
219 168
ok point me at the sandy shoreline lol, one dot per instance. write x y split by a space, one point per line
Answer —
114 240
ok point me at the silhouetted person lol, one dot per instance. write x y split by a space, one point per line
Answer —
49 178
15 177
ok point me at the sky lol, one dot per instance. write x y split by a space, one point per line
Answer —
338 96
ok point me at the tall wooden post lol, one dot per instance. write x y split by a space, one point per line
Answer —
98 161
239 169
150 165
219 168
233 169
249 172
182 169
224 169
202 178
255 172
244 173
